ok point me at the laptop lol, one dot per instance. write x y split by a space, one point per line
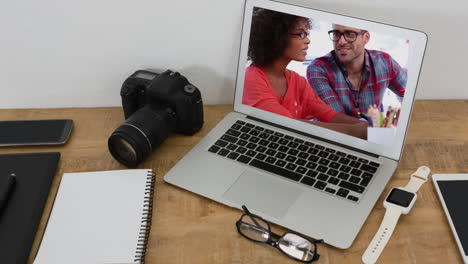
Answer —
309 179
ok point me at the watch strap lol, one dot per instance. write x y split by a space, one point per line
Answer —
376 246
418 178
392 214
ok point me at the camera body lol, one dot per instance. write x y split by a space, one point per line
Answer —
166 90
154 105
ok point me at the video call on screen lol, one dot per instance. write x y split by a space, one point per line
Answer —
383 114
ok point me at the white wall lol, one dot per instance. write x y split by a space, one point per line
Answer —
73 53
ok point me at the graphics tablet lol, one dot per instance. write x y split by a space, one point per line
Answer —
453 193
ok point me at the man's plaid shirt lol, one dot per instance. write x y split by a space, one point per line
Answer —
328 77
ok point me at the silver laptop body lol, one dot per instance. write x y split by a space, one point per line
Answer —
278 199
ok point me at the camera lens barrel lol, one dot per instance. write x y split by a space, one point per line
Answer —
140 134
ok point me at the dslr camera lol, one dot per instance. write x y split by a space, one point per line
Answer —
154 105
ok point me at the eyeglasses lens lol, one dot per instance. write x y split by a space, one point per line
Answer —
297 247
350 35
335 36
254 228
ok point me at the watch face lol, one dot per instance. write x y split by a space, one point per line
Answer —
400 197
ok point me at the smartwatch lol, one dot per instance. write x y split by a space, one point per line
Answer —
399 201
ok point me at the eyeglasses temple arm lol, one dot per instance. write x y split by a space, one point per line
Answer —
316 255
245 209
249 214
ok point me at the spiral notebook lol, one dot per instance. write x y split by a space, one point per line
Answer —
99 217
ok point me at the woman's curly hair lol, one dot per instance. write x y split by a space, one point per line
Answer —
269 35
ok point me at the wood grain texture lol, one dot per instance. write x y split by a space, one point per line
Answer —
188 228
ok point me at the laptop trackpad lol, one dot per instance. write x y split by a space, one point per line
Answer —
263 193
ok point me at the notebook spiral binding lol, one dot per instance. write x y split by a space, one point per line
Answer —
146 218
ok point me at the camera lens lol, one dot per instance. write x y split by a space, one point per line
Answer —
142 132
124 149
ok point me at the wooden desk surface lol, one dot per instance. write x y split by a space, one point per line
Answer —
188 228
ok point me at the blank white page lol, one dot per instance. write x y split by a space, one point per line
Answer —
96 218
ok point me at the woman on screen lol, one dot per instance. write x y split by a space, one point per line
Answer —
275 40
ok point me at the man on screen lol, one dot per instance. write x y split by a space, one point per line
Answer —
351 78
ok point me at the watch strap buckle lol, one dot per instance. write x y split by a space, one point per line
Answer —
418 178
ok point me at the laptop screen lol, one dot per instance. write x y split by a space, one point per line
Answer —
344 79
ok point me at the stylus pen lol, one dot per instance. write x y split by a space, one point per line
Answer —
5 190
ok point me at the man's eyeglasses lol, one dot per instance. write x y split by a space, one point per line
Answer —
302 34
292 245
349 35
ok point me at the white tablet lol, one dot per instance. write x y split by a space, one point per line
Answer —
453 193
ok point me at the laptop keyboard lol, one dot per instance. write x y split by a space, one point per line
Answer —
322 168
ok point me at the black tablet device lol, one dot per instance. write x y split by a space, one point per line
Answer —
35 132
453 193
